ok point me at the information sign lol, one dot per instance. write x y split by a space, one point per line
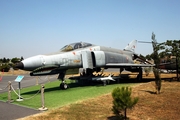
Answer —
19 78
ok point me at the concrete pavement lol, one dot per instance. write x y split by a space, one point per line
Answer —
9 111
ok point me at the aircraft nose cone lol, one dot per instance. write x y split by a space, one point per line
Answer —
19 65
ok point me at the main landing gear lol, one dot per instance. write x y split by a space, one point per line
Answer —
139 76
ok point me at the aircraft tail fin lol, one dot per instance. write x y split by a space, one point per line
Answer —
131 46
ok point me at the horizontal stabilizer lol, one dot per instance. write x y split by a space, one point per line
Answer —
117 65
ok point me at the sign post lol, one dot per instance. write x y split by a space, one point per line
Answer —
18 79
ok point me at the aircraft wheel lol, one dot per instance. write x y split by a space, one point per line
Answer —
63 86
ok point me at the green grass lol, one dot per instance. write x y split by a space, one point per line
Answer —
54 97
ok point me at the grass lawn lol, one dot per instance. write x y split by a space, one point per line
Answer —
54 97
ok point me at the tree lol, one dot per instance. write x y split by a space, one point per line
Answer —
156 62
4 60
166 50
172 48
15 60
148 57
169 48
122 100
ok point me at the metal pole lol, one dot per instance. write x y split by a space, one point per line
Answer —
19 89
19 99
42 95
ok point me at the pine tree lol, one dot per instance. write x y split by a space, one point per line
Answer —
122 100
156 62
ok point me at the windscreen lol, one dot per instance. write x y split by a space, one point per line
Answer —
74 46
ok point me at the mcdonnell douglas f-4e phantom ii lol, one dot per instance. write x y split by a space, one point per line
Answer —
82 55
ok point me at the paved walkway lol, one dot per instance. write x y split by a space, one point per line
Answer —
10 111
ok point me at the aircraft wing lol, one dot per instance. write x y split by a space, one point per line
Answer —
128 65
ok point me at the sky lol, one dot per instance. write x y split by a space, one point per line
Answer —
33 27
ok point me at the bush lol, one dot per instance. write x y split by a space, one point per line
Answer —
4 67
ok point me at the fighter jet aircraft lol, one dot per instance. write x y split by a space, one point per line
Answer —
84 55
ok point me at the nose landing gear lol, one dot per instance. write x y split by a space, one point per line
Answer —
61 76
63 86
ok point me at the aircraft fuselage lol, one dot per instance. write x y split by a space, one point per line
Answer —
73 59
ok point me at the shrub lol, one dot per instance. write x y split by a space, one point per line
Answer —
4 67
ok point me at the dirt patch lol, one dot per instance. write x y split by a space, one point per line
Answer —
164 106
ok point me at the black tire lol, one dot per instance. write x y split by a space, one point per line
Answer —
63 86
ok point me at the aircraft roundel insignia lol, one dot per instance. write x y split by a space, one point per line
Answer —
74 53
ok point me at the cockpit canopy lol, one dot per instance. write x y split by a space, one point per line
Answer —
74 46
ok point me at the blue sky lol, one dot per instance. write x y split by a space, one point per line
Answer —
32 27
